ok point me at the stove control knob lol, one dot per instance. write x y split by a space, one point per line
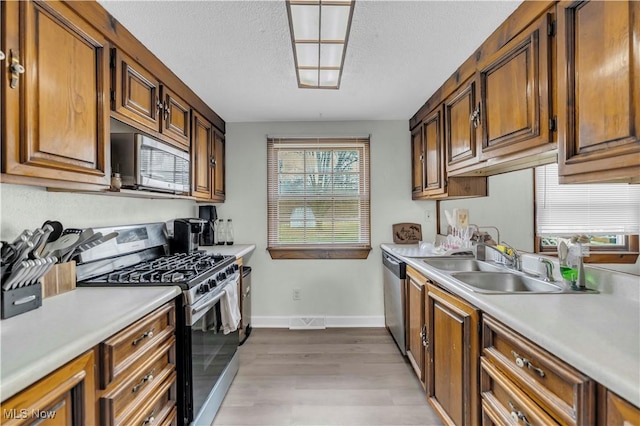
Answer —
236 267
212 283
230 270
204 288
222 276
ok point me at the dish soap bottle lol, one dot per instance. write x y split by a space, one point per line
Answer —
229 232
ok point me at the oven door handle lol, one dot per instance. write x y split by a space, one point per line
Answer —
197 312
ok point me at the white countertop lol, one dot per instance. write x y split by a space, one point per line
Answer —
237 250
38 342
598 334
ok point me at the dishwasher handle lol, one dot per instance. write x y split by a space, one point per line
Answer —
394 265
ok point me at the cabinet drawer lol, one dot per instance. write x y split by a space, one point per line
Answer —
504 404
159 408
564 392
122 350
126 397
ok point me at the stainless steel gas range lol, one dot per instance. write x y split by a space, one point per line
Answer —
206 357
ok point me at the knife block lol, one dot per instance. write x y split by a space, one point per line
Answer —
60 279
20 300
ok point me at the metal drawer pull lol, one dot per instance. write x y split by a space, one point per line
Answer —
143 381
523 362
149 420
517 414
144 336
424 336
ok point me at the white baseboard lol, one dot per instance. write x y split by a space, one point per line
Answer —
330 321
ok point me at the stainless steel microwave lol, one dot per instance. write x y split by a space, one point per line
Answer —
149 164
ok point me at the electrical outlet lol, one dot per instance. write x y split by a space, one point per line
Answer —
428 216
296 294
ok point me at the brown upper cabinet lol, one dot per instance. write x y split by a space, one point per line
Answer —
461 112
427 159
56 116
207 160
139 99
515 88
598 71
428 163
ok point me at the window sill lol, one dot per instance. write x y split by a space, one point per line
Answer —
627 254
318 252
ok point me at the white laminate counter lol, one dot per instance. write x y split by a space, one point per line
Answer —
237 250
38 342
598 334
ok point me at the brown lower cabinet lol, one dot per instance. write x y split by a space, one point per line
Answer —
64 397
477 370
452 357
416 288
85 391
551 385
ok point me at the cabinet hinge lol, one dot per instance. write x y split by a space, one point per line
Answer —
112 95
112 58
551 28
552 124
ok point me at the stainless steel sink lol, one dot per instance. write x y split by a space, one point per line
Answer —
462 265
505 282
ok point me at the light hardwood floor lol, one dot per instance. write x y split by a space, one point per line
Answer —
337 376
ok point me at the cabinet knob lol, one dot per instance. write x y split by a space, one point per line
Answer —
2 55
166 111
16 69
212 162
158 105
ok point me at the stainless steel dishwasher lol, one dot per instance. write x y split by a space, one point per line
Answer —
394 281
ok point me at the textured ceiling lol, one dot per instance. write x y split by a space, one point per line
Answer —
236 55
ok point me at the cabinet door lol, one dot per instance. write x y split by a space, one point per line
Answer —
137 92
617 411
452 359
598 91
202 157
175 117
461 133
416 323
515 92
417 162
65 397
219 166
434 182
57 113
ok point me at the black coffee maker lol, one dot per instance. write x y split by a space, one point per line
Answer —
186 234
210 215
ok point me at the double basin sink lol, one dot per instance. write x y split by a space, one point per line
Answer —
486 277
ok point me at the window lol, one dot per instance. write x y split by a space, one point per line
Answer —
609 214
318 201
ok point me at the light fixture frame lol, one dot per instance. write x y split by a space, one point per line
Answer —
319 41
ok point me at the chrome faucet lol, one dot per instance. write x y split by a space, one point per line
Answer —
548 267
515 261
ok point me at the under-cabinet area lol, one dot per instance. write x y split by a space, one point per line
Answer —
478 369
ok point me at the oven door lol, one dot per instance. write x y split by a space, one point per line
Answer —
211 353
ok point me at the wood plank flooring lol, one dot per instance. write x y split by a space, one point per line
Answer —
336 376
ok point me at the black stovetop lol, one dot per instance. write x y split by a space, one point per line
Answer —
184 270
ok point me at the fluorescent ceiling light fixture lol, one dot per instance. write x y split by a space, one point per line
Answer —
319 36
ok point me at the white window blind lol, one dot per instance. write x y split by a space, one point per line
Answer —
596 209
318 192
